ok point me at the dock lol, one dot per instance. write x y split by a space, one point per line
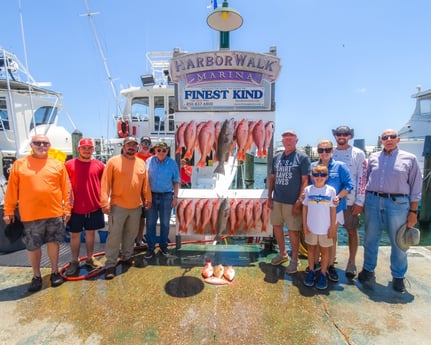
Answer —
166 301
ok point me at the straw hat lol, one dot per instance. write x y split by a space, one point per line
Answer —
407 237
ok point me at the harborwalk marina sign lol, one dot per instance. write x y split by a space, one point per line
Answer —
224 80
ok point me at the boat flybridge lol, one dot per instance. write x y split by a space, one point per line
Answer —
413 133
149 109
26 108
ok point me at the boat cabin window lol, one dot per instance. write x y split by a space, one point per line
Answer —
44 116
425 106
140 108
159 113
4 119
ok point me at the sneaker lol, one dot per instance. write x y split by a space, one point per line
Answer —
164 251
149 254
92 264
322 282
309 279
129 262
110 273
35 285
73 269
398 284
56 279
279 259
140 244
292 267
316 267
351 271
365 276
332 274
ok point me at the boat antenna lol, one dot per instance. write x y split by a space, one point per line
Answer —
90 16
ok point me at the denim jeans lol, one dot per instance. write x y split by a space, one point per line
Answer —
160 208
391 214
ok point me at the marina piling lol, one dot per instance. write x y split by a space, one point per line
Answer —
425 214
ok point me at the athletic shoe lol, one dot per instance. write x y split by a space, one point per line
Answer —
365 276
56 279
351 271
309 279
73 269
110 273
292 267
92 264
149 254
316 267
398 284
164 251
279 259
332 273
322 282
35 285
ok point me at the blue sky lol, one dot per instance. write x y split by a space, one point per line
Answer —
343 61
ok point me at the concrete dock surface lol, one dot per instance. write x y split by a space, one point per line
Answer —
166 301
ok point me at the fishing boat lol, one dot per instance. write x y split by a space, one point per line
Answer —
27 108
413 133
149 108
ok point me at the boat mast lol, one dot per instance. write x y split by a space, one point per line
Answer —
90 16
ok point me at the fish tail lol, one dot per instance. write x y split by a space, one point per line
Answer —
220 168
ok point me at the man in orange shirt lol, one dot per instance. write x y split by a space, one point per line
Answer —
40 186
125 189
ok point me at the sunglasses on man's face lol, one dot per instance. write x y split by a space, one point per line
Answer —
145 143
40 143
319 174
392 136
324 149
342 134
162 150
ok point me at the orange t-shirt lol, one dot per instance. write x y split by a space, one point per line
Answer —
125 183
40 187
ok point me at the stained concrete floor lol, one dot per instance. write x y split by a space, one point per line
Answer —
165 301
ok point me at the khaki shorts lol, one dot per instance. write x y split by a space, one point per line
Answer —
350 221
282 214
322 240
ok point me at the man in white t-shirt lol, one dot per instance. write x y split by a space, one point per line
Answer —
355 160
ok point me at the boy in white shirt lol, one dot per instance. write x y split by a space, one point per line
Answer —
319 224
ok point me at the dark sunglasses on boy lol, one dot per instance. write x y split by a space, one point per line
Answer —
324 149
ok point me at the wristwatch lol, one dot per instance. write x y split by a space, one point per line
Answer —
413 211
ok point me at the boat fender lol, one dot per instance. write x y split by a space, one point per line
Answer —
123 128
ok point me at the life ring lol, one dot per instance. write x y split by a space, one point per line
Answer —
123 128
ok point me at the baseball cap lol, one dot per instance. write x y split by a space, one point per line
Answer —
86 142
130 140
289 132
343 129
145 139
162 145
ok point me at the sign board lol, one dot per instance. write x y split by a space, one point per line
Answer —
224 80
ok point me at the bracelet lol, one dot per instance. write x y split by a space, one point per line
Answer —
413 211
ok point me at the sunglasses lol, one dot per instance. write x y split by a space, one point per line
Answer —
342 134
40 143
146 143
162 150
326 149
392 136
319 174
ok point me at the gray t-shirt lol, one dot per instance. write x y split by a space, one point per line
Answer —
288 171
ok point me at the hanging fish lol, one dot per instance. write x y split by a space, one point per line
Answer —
224 143
222 217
